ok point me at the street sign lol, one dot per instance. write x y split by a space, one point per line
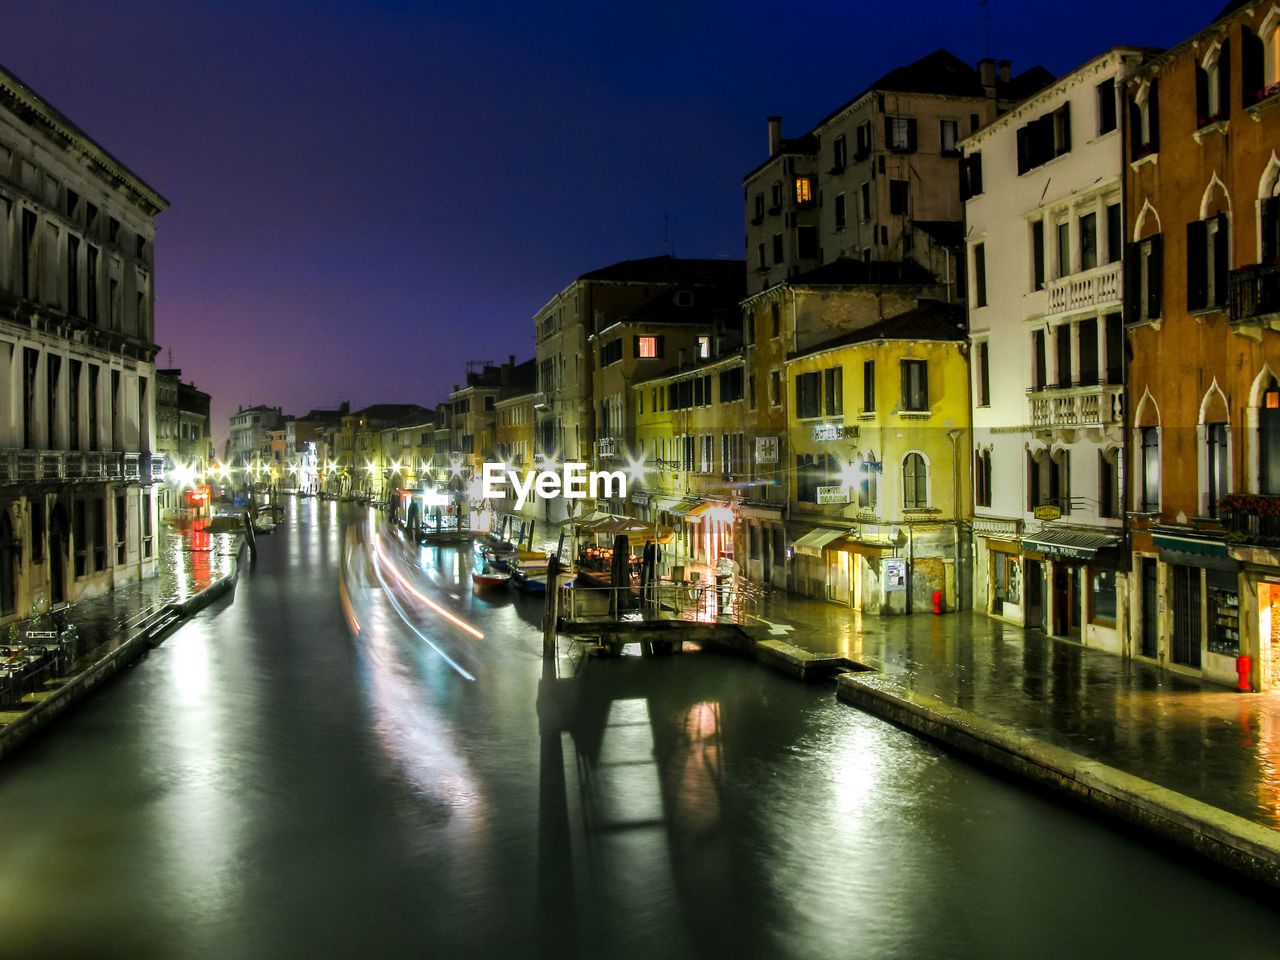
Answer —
42 635
1048 512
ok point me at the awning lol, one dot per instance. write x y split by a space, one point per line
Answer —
1071 544
811 544
695 515
685 505
1192 551
851 544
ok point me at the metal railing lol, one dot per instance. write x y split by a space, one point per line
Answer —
1253 291
1252 518
695 601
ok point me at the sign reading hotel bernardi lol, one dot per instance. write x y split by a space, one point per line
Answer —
836 494
766 449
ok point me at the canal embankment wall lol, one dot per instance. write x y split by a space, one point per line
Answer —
141 636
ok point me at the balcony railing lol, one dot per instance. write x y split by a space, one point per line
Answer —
1097 405
1253 292
1252 518
1081 291
541 400
17 465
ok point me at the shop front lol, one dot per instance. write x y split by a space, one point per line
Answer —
812 572
711 535
1070 585
1197 628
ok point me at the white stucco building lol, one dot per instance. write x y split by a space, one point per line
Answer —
1045 240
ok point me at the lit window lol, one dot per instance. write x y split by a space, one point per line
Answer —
704 348
648 347
804 190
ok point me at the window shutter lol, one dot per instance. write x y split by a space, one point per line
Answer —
1153 105
888 131
1135 130
1132 263
1223 106
1197 264
911 135
659 350
1066 128
1202 95
635 346
1270 229
975 173
1251 76
1155 276
1221 258
1024 149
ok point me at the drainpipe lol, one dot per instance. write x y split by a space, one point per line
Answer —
955 509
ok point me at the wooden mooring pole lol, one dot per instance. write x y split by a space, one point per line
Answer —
550 611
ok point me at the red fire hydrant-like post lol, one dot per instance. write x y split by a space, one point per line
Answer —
937 601
1244 665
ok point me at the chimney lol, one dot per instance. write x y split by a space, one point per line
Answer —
987 75
775 135
1006 72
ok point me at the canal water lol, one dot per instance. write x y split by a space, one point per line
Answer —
333 766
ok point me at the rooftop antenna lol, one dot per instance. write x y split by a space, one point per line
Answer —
986 25
171 358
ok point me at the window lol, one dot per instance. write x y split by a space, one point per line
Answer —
751 391
840 214
1064 249
804 191
864 212
1037 255
1044 138
868 386
979 274
1258 67
915 385
833 391
1149 469
808 395
1269 441
777 248
974 122
759 217
898 197
611 352
915 483
1115 349
862 140
839 154
763 265
1047 479
807 242
1213 80
948 137
646 347
731 385
1088 241
37 528
1115 235
1144 280
1144 118
1207 264
775 314
1219 463
704 347
1039 372
982 478
982 373
1102 597
900 134
776 197
1106 106
1108 483
1087 340
868 483
1062 336
775 387
971 176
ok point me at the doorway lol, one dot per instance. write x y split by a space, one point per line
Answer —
1033 590
58 555
1066 600
1269 631
838 576
1150 608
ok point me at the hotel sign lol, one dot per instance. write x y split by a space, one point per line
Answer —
766 449
836 494
834 431
1048 512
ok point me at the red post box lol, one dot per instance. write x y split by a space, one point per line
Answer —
937 601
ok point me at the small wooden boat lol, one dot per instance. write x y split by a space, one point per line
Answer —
489 579
529 581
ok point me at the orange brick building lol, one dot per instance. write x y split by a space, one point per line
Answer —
1203 324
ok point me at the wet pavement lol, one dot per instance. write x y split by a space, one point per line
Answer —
1200 739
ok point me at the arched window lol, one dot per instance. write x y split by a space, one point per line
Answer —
868 483
1269 439
915 482
982 478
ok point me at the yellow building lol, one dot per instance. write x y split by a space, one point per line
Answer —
878 464
515 434
691 459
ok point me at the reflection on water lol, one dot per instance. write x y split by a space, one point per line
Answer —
283 779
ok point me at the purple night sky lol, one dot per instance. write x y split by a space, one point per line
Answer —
367 195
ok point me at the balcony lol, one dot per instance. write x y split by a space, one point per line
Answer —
1251 518
1099 405
542 400
44 466
1091 289
1253 295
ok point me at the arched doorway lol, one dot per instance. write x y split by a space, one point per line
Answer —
58 555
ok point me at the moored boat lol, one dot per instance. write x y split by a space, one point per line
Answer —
489 579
